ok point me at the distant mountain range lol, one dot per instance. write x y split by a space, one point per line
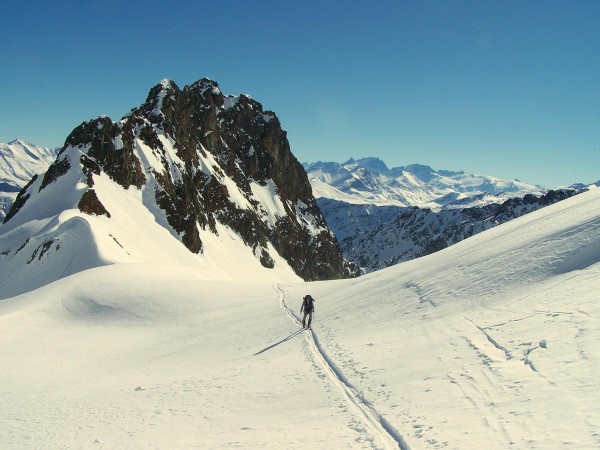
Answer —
383 216
379 216
370 181
19 161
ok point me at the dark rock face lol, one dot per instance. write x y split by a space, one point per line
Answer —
59 168
118 163
205 155
21 200
250 147
90 204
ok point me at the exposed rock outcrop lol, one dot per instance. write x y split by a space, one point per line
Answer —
90 204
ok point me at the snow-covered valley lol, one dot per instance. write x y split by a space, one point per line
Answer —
490 343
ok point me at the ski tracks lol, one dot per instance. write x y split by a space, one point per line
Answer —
387 436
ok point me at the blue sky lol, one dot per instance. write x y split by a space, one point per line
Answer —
504 88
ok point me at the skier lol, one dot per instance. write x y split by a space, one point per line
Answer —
308 306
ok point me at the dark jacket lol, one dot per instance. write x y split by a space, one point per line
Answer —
308 304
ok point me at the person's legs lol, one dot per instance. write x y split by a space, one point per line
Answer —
304 320
310 314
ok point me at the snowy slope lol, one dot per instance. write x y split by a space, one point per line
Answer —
19 161
51 238
491 343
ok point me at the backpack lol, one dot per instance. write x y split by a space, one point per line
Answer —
309 303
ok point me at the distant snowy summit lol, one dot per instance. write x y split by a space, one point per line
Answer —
190 177
19 161
370 181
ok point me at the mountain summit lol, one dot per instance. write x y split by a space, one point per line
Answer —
192 161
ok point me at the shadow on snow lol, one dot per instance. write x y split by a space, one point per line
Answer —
295 333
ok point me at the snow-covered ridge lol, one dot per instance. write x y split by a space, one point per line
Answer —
370 181
375 237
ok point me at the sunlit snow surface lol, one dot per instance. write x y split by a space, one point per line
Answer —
491 343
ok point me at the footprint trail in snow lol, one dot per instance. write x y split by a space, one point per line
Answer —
385 433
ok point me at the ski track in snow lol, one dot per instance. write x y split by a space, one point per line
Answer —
387 435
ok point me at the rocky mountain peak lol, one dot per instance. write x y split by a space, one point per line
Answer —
208 90
168 84
20 142
154 102
206 161
372 164
422 172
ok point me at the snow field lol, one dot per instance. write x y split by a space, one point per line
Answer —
165 361
491 343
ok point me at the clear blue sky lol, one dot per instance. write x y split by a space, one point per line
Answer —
504 88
